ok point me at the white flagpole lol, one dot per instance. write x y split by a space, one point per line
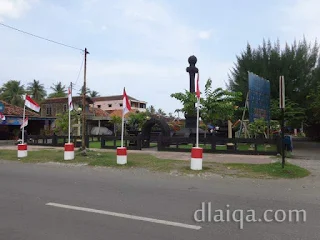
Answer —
69 125
23 118
122 128
197 134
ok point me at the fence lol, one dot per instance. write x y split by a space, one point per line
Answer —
56 141
210 144
213 144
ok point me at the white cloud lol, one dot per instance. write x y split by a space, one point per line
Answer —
301 18
14 8
205 34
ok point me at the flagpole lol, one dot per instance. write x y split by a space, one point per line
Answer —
197 133
23 118
122 128
69 130
69 125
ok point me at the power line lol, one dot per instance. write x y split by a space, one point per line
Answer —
33 35
79 71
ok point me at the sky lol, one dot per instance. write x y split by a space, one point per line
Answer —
143 45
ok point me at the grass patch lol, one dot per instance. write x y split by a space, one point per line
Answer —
272 170
152 163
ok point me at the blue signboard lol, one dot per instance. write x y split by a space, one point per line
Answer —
12 121
1 107
259 98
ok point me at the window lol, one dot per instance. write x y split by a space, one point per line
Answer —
65 107
121 104
49 110
99 106
142 105
109 105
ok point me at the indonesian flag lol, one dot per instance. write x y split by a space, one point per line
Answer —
70 104
198 89
25 123
31 104
2 117
125 103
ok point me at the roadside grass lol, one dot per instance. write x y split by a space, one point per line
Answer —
152 163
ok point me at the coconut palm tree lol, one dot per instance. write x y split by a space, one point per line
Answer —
94 94
36 90
59 90
12 92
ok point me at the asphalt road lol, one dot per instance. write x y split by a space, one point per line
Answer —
30 195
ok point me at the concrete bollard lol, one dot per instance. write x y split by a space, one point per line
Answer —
22 150
68 151
121 155
196 158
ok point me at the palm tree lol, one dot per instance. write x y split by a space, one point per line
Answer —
161 112
94 94
12 92
36 90
59 90
81 91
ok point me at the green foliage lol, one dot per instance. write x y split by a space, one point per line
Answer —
62 121
314 102
36 90
12 92
218 104
136 120
151 110
59 90
188 101
258 127
94 94
297 63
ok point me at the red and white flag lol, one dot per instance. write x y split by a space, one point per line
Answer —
125 103
70 104
25 123
2 117
30 103
198 89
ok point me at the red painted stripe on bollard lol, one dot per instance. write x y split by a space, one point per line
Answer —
69 147
22 147
196 152
122 151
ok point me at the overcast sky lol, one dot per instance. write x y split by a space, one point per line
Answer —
143 45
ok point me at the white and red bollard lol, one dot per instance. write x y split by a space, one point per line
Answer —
22 150
68 151
121 155
196 158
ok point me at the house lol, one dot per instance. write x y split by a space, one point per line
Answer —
112 103
10 127
51 107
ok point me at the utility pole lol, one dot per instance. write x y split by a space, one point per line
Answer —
83 141
282 107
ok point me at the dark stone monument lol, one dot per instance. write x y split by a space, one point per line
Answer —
191 118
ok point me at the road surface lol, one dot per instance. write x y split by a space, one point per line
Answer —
50 201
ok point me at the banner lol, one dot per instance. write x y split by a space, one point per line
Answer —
259 98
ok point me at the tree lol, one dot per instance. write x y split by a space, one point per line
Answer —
36 90
88 91
161 112
215 104
59 90
93 94
136 120
62 122
12 92
219 104
151 110
116 121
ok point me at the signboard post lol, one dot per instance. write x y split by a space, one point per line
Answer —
282 107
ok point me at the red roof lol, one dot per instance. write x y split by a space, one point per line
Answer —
98 112
11 110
